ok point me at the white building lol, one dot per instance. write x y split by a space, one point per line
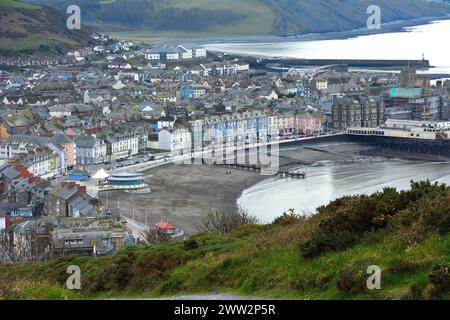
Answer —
2 222
45 166
407 129
60 111
321 84
173 54
175 140
166 122
274 130
185 53
122 146
181 52
91 151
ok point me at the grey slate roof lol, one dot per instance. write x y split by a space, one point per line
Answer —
11 173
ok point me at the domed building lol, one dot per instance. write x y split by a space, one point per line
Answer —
128 182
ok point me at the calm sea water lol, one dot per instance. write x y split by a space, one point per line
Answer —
432 40
273 196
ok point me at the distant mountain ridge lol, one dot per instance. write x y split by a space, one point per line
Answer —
27 28
244 16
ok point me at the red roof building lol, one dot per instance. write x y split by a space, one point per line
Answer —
164 225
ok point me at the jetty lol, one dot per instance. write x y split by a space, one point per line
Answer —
297 173
245 167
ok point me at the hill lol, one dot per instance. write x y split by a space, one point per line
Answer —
243 17
326 256
28 27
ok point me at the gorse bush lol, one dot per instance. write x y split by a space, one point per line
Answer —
288 218
353 278
439 277
190 244
344 222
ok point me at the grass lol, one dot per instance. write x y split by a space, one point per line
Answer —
35 42
326 256
259 17
228 264
19 4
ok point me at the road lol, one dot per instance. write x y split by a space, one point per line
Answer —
168 158
137 229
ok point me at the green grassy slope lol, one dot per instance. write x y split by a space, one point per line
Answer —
27 28
18 4
258 17
407 234
232 17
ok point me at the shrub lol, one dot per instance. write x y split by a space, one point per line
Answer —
353 278
404 266
323 242
288 218
247 230
190 244
429 214
346 221
6 286
123 272
439 277
225 222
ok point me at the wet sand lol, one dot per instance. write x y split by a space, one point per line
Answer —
184 194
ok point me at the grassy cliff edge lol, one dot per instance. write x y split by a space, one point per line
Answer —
326 256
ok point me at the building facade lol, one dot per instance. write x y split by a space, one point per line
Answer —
92 151
231 130
357 111
122 146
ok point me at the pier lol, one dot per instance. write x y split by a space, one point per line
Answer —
245 167
297 173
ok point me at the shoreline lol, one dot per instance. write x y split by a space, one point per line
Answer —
184 194
388 27
211 39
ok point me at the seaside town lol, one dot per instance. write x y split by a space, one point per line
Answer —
95 122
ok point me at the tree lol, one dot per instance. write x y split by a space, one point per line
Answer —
156 236
22 248
225 222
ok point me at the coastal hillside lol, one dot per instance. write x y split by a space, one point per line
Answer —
325 256
243 17
28 27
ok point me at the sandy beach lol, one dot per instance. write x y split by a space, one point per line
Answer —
183 194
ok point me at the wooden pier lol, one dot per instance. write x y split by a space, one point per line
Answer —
245 167
297 173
